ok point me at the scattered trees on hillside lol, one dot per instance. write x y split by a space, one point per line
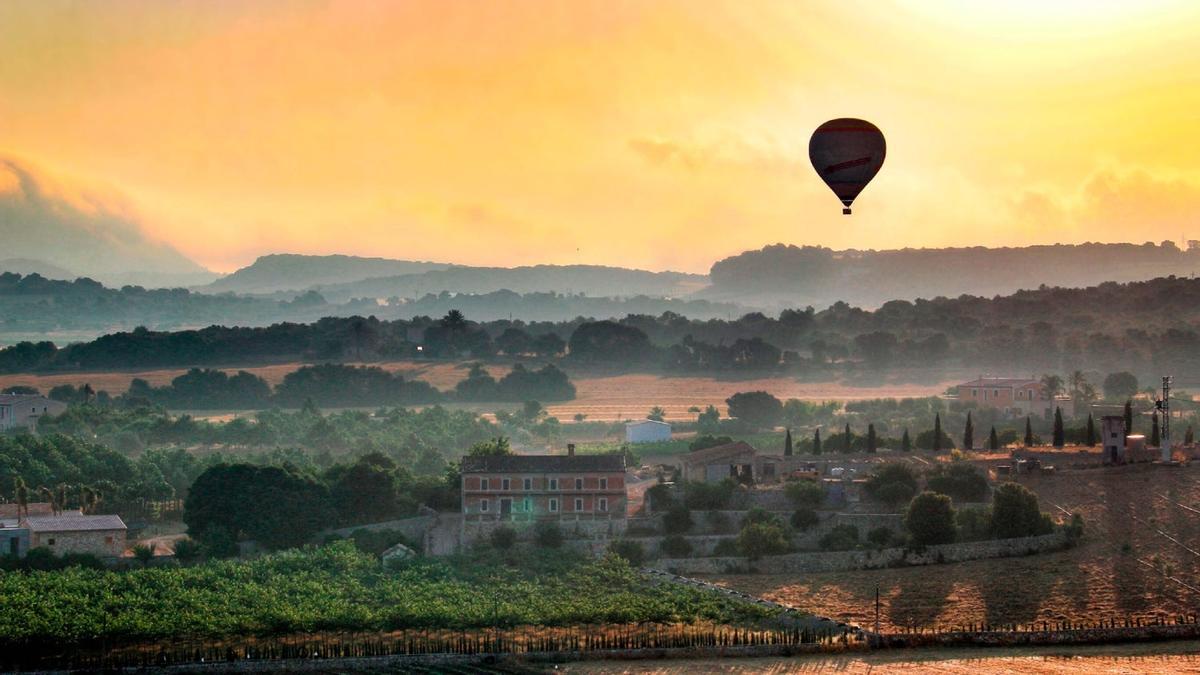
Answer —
1122 385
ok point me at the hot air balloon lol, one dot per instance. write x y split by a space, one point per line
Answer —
847 153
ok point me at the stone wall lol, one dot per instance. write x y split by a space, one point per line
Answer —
836 561
102 543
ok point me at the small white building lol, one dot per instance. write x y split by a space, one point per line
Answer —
23 410
647 431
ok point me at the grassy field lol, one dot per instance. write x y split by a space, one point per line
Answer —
1120 569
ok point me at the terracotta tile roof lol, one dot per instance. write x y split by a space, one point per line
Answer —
717 451
544 464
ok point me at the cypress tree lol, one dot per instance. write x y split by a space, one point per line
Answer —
846 439
1060 437
872 441
1091 432
1128 417
1028 433
993 440
969 433
787 443
905 441
1188 437
817 442
937 432
1155 439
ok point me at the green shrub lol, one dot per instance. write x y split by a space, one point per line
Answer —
726 547
631 551
840 538
659 497
805 493
804 518
678 520
709 496
974 524
503 538
880 537
547 534
1015 513
762 538
188 550
930 519
893 483
960 480
759 515
718 522
676 546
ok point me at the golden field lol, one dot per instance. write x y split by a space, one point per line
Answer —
1114 573
599 397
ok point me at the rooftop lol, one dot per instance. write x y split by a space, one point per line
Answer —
74 522
9 399
641 422
707 454
1000 382
543 464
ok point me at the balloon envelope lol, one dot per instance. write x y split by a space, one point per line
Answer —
847 153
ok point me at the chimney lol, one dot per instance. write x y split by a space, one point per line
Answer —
570 449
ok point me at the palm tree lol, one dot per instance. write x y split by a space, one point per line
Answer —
48 495
22 497
1053 386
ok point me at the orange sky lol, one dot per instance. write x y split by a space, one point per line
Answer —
658 134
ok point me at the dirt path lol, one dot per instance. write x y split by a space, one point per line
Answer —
1171 657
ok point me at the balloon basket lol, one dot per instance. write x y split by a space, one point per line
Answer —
845 211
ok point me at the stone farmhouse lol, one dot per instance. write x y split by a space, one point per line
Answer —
66 532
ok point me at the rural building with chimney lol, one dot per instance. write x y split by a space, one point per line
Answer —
1013 396
584 493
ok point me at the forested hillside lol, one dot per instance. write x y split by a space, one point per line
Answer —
1141 327
779 275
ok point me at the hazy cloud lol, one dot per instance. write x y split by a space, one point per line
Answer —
84 231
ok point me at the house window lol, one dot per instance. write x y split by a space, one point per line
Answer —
578 483
528 506
504 484
604 504
553 506
974 393
995 393
108 540
578 505
528 483
483 506
553 483
483 483
1114 435
603 483
50 541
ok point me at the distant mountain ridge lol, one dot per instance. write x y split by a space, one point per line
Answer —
787 276
592 280
296 272
25 266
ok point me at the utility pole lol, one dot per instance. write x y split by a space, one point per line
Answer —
1165 406
877 610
